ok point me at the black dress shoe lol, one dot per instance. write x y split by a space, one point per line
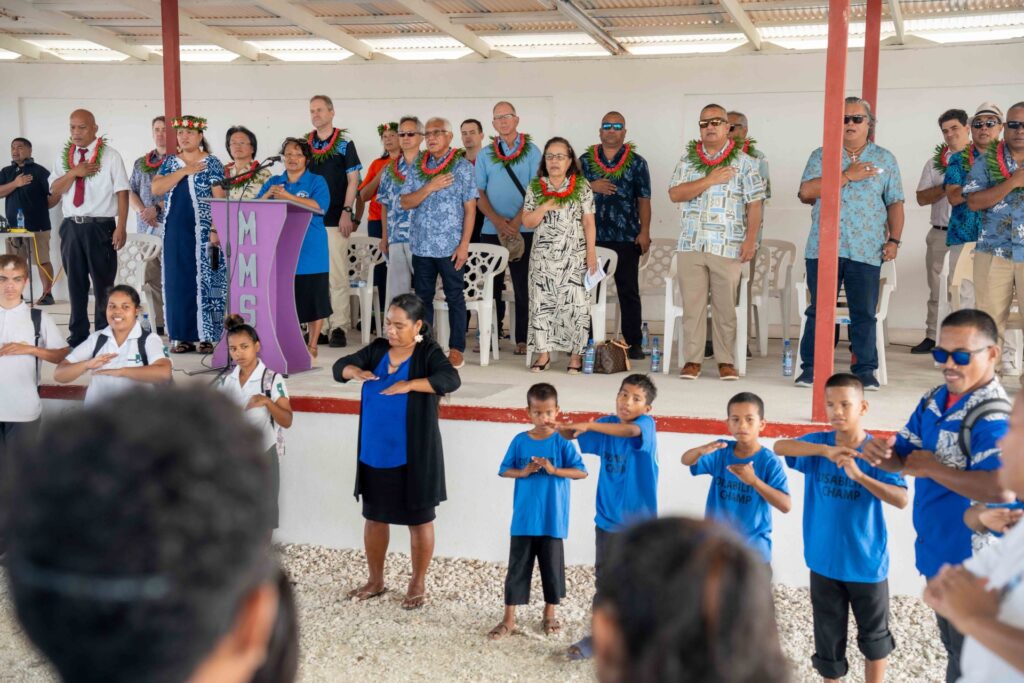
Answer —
160 330
925 346
46 300
337 339
322 339
636 352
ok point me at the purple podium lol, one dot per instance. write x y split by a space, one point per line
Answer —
263 239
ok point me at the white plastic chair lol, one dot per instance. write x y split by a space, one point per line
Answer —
485 263
138 250
886 286
772 279
364 255
674 319
654 265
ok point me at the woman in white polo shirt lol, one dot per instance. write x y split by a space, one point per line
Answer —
260 392
120 355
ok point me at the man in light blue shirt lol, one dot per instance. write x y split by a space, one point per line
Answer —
504 169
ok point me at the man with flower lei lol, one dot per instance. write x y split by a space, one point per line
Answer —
335 158
149 213
395 223
931 191
621 183
440 191
93 194
995 186
720 194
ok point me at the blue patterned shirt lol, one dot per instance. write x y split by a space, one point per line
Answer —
618 215
863 215
964 224
436 226
1002 226
141 183
388 197
715 221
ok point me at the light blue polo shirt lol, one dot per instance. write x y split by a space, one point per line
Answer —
502 193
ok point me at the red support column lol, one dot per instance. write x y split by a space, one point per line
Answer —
872 47
172 62
831 182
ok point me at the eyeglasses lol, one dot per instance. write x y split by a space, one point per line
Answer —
612 126
855 118
436 133
960 356
409 134
988 123
504 117
556 157
704 123
1015 125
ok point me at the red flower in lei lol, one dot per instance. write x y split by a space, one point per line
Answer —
608 170
323 152
721 157
153 155
555 194
520 148
241 177
441 166
395 170
1001 159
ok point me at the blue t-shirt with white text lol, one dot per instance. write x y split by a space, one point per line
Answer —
540 503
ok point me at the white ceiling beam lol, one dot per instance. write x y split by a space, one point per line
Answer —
441 22
305 19
12 44
896 14
742 20
576 15
196 29
75 29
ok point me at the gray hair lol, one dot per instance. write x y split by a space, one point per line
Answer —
867 108
413 119
740 115
445 123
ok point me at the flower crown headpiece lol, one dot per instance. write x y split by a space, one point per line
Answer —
189 122
385 127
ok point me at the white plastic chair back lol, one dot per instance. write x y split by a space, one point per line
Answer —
485 263
364 255
138 250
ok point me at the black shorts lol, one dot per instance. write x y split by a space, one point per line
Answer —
831 601
550 555
312 297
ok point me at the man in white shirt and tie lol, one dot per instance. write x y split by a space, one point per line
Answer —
93 194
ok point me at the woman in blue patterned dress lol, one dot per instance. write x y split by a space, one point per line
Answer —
194 289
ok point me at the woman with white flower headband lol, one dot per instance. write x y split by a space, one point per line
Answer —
195 277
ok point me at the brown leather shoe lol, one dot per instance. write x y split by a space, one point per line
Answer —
690 371
727 372
456 359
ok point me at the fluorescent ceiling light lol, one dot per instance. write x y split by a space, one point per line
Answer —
79 51
683 44
407 48
301 50
544 45
5 54
200 53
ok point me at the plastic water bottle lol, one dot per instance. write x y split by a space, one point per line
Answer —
589 356
787 359
645 339
21 219
145 323
656 356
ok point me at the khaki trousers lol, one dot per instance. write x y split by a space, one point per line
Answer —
966 286
337 247
698 274
996 280
934 257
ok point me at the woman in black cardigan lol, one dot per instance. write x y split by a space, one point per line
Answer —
400 473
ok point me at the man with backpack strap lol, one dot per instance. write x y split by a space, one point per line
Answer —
950 444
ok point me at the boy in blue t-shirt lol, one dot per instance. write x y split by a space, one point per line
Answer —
845 539
542 463
627 488
748 480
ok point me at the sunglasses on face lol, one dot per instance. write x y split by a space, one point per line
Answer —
960 356
734 126
555 157
704 123
408 134
1015 125
984 124
855 118
612 126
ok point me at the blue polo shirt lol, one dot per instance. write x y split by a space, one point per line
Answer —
627 488
540 504
737 504
845 537
942 536
313 258
492 177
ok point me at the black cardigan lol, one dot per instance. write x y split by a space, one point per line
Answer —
425 457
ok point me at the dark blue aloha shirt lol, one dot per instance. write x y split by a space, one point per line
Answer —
618 216
964 224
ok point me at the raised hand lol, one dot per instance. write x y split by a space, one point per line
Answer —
744 472
721 175
603 186
543 464
99 361
1000 520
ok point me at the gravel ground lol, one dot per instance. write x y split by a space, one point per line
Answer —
445 641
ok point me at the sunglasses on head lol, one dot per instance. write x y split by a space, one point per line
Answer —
959 356
612 126
704 123
984 124
1015 125
855 118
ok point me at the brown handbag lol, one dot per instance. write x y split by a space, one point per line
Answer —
611 357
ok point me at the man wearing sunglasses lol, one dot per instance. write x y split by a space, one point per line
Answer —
870 228
622 192
950 444
994 187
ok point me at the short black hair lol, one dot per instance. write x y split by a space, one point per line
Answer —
746 397
692 603
131 542
972 317
643 382
845 380
158 119
542 391
240 129
23 141
127 290
953 115
303 146
479 125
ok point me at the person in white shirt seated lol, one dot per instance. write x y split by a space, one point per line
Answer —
260 392
27 338
984 597
121 355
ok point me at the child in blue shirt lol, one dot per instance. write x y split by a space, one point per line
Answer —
542 463
748 480
627 488
845 539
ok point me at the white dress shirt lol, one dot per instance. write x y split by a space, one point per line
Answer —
240 394
19 395
100 190
102 387
930 178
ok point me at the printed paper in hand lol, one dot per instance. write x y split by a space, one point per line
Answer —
593 279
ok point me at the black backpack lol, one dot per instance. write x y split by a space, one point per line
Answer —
101 341
37 328
989 406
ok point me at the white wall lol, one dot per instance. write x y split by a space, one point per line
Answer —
660 97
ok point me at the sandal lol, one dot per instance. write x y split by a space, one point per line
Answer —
205 348
361 594
575 369
541 367
183 347
499 632
520 349
312 350
552 626
411 602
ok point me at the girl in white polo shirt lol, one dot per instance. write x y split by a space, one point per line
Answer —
259 391
121 355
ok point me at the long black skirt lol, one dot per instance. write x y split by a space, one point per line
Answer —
383 493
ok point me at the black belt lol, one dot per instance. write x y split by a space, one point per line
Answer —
941 227
90 219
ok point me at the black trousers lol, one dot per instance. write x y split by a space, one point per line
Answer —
602 541
627 284
550 555
831 602
380 272
520 271
87 251
953 641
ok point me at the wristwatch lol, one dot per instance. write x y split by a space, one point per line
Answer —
894 241
350 211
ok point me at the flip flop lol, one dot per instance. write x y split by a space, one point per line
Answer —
411 602
581 650
205 348
552 626
520 349
183 347
499 632
360 595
